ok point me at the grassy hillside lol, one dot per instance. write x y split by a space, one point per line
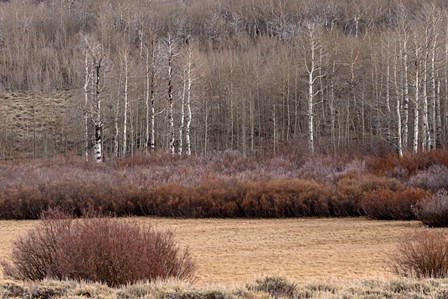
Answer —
35 124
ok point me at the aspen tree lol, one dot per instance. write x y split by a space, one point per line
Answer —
312 66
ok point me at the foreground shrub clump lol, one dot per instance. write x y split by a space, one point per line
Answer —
433 211
103 249
423 254
389 205
268 288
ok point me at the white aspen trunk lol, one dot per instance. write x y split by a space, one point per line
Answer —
116 114
443 117
310 112
170 96
153 122
243 128
438 128
147 97
116 129
151 94
86 104
252 123
332 109
288 109
182 114
98 146
189 116
426 137
398 112
406 95
274 119
416 104
311 79
388 132
125 109
434 126
206 128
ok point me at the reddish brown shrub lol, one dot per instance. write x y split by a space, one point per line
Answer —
103 249
433 211
286 198
423 254
392 205
351 189
412 162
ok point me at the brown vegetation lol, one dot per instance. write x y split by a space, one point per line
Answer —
422 254
98 249
225 185
386 204
433 211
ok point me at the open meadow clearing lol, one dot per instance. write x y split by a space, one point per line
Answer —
233 252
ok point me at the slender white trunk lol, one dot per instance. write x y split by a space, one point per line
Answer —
426 136
98 147
153 122
416 104
332 108
398 112
311 68
434 126
274 133
438 128
125 109
188 117
406 94
182 114
388 132
170 96
116 116
147 97
86 107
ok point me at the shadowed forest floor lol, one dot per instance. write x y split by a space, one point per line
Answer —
234 252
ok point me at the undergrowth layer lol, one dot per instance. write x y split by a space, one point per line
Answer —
270 287
226 184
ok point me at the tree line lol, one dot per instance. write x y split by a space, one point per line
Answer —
197 76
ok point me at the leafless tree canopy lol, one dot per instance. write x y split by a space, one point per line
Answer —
107 78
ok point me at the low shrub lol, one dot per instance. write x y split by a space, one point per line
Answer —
232 198
286 198
410 162
392 205
433 211
101 249
434 178
351 189
423 254
275 286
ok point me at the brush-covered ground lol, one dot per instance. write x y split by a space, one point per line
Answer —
266 288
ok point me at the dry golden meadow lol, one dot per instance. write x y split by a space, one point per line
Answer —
233 252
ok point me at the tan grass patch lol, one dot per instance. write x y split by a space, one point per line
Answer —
234 252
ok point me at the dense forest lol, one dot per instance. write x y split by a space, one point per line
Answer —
109 78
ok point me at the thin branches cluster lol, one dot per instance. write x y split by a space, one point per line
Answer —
194 77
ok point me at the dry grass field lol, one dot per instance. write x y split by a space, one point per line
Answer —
233 252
